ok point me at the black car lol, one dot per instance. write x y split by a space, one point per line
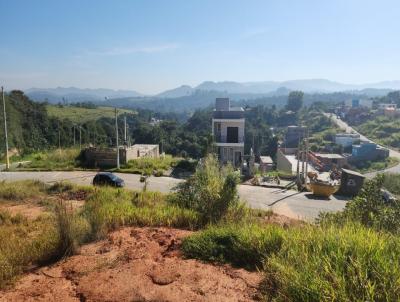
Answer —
108 179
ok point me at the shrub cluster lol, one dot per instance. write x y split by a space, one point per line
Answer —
368 208
211 191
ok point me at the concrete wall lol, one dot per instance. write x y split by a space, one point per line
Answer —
137 151
282 163
107 157
102 157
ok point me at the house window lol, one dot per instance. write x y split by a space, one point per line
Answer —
232 135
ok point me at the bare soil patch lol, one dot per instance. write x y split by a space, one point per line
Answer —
136 264
28 210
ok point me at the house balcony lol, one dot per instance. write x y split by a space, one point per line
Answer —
224 140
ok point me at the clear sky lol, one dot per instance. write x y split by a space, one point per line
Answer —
150 46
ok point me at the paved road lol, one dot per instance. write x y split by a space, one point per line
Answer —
348 129
289 203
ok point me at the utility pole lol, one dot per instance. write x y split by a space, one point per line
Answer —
116 136
80 137
59 138
307 150
125 139
74 134
5 128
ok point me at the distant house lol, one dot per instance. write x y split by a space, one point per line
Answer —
346 139
266 164
384 106
331 160
369 151
142 150
228 131
294 135
356 103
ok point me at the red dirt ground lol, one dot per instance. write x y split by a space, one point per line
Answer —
136 264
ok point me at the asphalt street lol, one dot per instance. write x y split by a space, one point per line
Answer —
289 203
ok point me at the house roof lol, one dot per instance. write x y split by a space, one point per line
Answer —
266 160
329 155
353 173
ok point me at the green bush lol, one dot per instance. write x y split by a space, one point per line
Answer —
391 182
368 208
211 191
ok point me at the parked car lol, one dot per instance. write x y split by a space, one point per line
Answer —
108 179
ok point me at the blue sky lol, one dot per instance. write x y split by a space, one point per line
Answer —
150 46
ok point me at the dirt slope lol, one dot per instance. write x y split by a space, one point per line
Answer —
135 264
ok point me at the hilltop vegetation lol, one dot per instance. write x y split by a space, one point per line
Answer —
81 114
383 130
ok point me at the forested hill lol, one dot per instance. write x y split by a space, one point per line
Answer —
31 128
29 125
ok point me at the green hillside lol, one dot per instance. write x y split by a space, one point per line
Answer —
82 114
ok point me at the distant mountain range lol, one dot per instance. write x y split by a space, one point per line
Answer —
73 94
249 90
279 88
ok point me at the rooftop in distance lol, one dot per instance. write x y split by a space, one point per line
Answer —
223 110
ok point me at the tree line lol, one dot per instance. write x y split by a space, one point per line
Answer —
32 129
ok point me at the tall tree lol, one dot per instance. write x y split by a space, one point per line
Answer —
295 101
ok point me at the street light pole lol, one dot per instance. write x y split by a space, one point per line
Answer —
116 136
5 128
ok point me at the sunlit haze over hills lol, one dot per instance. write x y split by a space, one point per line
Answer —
153 46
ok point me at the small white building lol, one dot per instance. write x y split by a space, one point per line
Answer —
142 150
347 139
228 131
384 106
266 164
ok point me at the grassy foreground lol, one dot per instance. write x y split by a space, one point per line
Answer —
308 263
60 231
352 255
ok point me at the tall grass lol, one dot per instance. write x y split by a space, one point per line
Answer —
392 183
57 159
245 246
22 244
149 165
107 209
350 263
21 190
308 263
